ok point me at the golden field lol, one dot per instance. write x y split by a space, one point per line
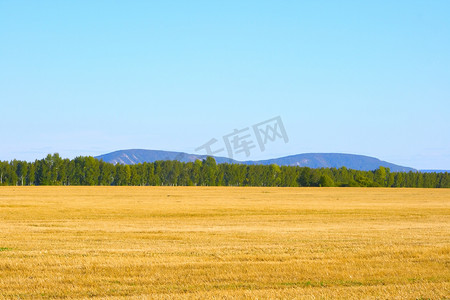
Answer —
224 242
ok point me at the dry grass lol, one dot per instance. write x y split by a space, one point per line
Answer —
187 242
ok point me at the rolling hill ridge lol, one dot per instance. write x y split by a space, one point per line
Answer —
311 160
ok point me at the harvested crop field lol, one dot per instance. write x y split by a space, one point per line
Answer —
224 242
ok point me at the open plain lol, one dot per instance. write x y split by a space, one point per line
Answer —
224 242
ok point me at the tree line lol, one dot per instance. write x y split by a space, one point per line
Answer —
53 170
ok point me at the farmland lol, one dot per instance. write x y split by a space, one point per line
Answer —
224 242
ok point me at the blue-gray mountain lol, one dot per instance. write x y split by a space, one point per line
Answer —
435 171
311 160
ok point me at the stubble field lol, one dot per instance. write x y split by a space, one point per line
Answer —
224 242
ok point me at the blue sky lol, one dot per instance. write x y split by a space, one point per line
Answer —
91 77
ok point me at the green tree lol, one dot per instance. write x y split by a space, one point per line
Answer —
106 173
158 172
184 178
381 176
391 180
150 171
326 181
209 171
31 174
274 175
123 175
289 176
91 169
399 180
43 172
3 168
362 179
22 171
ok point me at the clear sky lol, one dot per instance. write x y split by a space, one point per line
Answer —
91 77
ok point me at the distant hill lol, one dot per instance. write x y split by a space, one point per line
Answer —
435 171
311 160
335 160
135 156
